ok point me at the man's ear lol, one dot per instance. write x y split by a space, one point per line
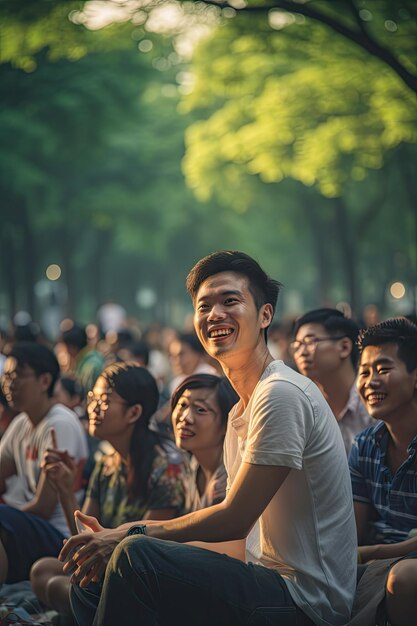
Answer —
346 347
45 380
135 412
266 315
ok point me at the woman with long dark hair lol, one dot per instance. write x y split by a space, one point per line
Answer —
143 478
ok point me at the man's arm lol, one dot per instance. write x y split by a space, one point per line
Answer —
44 501
252 490
232 519
387 550
7 462
7 469
362 512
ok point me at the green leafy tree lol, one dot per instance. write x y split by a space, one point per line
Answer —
278 105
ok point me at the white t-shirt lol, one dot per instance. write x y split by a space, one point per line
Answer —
307 532
26 444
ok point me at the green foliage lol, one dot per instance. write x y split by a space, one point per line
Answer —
278 105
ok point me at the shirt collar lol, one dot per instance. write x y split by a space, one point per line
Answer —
381 434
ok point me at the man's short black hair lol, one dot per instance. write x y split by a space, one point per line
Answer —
399 331
140 350
264 289
39 358
191 340
75 336
335 323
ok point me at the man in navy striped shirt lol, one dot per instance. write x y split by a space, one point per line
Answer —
383 461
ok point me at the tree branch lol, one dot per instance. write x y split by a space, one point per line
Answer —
362 38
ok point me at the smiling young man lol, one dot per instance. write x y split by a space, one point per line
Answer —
32 522
325 350
383 459
271 552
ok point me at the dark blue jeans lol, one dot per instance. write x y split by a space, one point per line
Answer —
150 582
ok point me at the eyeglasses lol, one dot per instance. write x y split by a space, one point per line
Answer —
310 343
102 402
16 375
9 379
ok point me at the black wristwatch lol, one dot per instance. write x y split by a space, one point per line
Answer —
139 529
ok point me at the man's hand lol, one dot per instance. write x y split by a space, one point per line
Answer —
89 552
61 469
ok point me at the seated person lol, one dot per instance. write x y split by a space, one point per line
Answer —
143 478
69 392
200 407
382 461
325 350
32 522
83 361
187 356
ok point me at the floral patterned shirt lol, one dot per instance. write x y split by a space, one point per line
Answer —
166 486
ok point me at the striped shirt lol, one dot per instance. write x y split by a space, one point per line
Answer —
393 497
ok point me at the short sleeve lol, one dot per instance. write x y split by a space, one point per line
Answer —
6 443
359 487
69 436
166 484
280 425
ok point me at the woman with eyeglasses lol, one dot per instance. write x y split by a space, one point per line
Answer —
144 478
200 407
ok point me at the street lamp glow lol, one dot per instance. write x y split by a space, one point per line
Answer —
53 272
397 290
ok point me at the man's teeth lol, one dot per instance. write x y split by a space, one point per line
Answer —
376 397
221 332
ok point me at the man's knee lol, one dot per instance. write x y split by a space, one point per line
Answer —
402 579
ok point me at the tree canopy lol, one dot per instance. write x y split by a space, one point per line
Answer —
296 143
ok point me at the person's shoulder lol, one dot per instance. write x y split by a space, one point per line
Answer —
18 424
366 440
62 417
281 381
59 412
277 373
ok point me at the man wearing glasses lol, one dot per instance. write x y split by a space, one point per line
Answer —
32 523
325 351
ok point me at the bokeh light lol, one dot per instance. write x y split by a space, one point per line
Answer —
397 290
53 272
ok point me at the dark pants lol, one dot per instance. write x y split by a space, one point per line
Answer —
150 582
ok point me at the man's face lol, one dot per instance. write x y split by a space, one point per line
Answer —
226 319
387 389
184 359
21 385
317 353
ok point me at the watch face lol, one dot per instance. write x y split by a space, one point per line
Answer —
137 530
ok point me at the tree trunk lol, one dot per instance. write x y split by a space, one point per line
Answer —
347 252
29 258
67 250
320 250
8 264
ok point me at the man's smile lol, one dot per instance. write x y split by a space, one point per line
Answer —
216 333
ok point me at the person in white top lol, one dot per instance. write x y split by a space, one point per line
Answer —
325 350
281 548
32 522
